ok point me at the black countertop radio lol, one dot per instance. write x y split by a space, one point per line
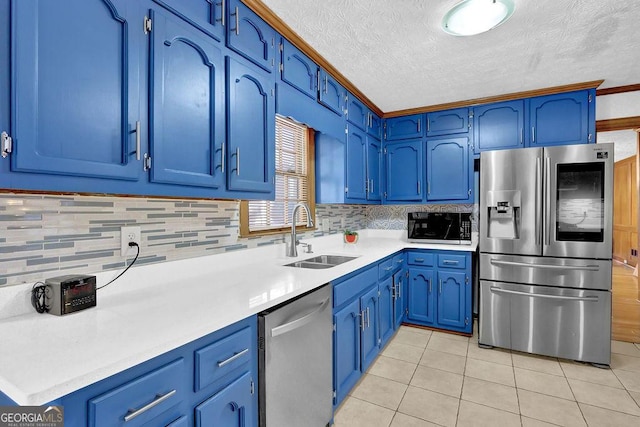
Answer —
70 293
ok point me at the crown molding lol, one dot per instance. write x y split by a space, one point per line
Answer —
617 89
618 124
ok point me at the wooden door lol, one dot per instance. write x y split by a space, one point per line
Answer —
625 208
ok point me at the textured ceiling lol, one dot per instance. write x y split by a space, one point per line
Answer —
396 54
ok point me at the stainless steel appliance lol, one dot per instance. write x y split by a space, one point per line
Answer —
295 362
439 227
545 250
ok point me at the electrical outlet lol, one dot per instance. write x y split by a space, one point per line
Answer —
342 223
128 234
326 225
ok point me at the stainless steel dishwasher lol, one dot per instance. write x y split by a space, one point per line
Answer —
295 362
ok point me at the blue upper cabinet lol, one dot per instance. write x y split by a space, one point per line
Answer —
5 45
331 94
297 69
356 164
499 126
250 36
562 119
75 98
404 170
208 15
448 122
448 169
374 169
251 148
404 127
375 125
357 112
187 105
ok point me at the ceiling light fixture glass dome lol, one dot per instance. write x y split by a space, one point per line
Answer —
471 17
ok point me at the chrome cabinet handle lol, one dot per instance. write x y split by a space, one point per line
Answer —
138 140
362 320
450 262
400 287
237 30
400 261
418 187
372 187
232 358
158 400
221 20
388 268
429 187
561 297
546 266
418 125
368 318
428 125
237 161
521 136
533 134
418 259
223 156
299 322
440 287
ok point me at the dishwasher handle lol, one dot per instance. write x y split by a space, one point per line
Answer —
299 322
527 294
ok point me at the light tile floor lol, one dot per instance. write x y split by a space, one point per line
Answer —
429 378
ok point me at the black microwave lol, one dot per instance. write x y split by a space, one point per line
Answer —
439 227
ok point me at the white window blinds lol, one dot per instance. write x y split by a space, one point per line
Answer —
292 181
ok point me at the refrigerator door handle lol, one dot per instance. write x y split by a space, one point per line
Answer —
547 207
538 200
545 266
592 298
301 321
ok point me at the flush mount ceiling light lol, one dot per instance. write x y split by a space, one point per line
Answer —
471 17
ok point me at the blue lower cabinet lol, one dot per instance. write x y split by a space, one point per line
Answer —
346 349
371 328
162 391
399 297
439 294
420 296
386 306
452 299
232 406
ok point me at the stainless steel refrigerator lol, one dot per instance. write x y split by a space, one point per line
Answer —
546 218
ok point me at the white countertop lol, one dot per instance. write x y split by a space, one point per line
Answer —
155 308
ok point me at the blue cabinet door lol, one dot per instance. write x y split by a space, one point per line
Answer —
375 125
250 130
298 70
404 170
448 122
356 164
560 119
357 113
371 331
452 289
250 36
374 164
399 300
448 176
404 127
233 406
75 81
499 126
331 94
386 302
420 296
208 15
186 105
346 349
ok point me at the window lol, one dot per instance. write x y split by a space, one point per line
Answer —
294 184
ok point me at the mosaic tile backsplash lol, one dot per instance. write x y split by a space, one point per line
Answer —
47 235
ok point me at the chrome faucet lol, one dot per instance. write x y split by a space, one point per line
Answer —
292 250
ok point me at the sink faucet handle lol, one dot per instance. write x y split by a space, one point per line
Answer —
308 247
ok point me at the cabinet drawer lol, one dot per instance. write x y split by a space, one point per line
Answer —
398 261
344 291
180 422
222 358
419 258
385 268
452 261
147 400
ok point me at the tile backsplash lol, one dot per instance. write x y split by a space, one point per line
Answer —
47 235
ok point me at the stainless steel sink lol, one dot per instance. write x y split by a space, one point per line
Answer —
321 261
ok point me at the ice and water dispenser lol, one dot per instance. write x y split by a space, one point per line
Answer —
503 214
